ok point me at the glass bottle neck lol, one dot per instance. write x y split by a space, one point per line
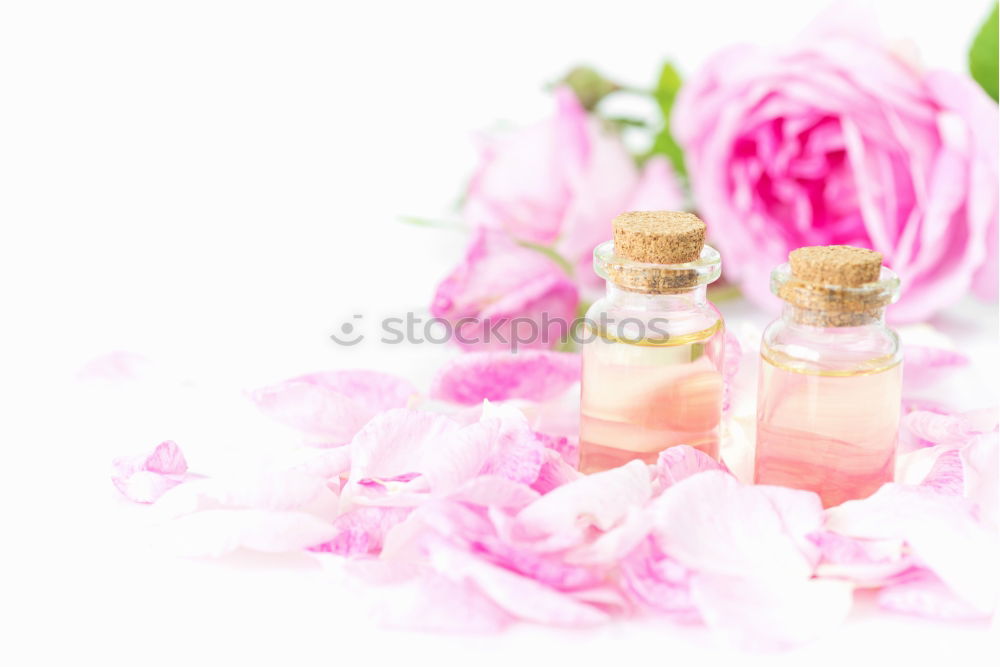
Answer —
692 297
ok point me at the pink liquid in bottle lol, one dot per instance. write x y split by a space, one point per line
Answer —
639 399
829 432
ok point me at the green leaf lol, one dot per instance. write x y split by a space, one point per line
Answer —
664 143
983 55
667 88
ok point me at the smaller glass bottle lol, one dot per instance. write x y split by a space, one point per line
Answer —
830 383
652 353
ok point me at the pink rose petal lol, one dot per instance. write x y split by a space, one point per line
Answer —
554 473
568 449
946 475
680 462
362 531
407 442
402 456
925 428
144 486
515 451
166 459
144 478
657 581
463 543
865 562
494 491
558 417
980 461
267 489
925 595
613 545
713 524
535 375
600 500
504 296
330 407
520 596
942 530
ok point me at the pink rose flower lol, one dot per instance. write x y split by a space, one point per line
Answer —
506 296
838 140
560 182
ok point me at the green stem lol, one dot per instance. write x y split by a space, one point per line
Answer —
551 254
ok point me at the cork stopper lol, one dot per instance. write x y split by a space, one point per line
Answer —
842 265
835 286
659 237
657 252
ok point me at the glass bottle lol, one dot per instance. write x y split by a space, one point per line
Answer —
830 376
653 346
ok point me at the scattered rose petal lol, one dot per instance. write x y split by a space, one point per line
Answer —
516 452
866 562
554 472
362 531
659 582
520 596
924 428
926 595
568 450
405 442
267 489
981 460
558 417
330 407
612 545
712 523
493 491
946 476
942 530
601 500
535 375
144 478
143 486
680 462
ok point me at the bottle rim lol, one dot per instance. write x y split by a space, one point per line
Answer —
815 296
656 278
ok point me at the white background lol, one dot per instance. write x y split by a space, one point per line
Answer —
218 186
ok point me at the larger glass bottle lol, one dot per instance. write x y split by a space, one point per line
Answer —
830 376
652 355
